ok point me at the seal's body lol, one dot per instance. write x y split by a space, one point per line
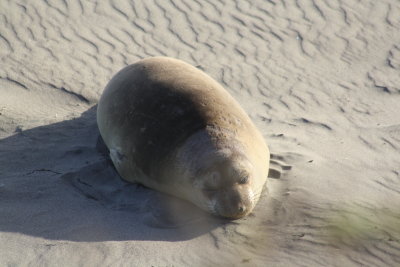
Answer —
171 127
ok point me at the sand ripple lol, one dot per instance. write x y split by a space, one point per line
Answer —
320 78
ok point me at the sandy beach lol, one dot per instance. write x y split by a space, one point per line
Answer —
319 78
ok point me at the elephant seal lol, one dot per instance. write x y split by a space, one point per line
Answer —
171 127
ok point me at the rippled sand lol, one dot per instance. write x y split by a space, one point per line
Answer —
321 79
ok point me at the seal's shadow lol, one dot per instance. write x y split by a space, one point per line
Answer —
100 182
60 185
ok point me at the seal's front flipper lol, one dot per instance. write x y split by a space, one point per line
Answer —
126 166
117 158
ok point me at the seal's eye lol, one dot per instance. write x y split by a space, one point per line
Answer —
244 180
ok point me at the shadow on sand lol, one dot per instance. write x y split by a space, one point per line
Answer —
57 183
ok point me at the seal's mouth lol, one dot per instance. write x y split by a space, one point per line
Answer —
236 216
233 212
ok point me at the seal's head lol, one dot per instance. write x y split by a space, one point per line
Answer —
227 188
218 174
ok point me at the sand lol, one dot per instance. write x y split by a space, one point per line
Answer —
321 79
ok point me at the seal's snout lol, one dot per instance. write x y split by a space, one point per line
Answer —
234 206
241 211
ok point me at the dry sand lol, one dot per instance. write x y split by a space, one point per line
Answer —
321 79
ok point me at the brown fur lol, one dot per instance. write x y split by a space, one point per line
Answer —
162 119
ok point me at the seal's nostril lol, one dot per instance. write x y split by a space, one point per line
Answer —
241 209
